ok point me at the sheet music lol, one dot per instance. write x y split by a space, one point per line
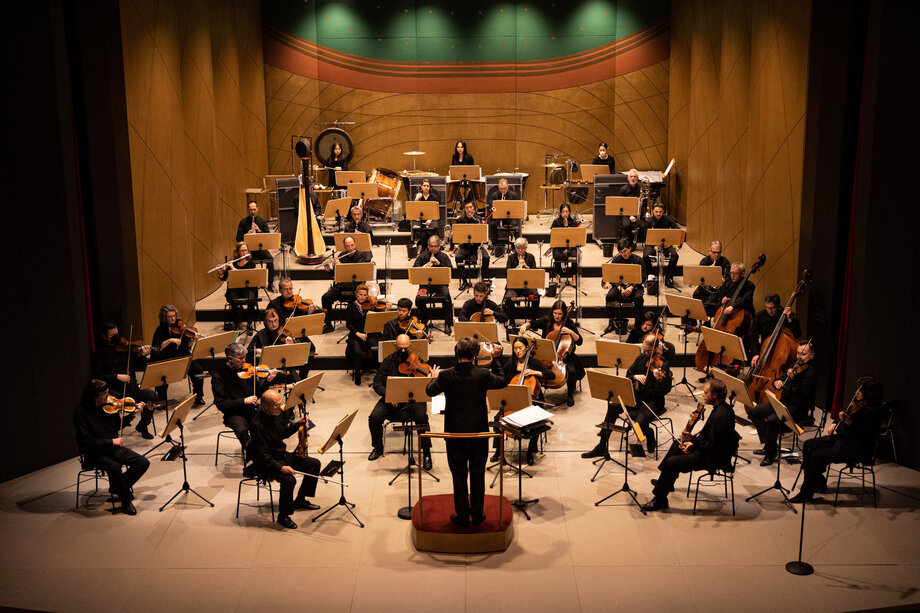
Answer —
527 417
653 176
438 404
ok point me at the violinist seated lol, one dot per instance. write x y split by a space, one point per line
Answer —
253 224
102 446
237 297
355 222
420 231
236 391
625 292
798 394
341 291
288 304
434 257
646 327
560 326
173 339
652 380
659 221
563 257
765 321
711 449
359 342
110 362
273 334
709 295
480 308
851 438
400 363
273 461
404 323
519 258
512 368
467 252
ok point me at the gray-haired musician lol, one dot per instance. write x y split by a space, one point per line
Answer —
338 291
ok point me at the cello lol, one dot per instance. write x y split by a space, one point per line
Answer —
563 345
738 322
777 352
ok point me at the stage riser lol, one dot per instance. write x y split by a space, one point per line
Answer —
590 274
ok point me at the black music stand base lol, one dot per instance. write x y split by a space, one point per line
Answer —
406 511
683 381
343 502
798 567
521 502
776 484
185 486
625 487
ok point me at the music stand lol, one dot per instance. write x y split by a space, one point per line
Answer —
376 320
509 209
543 348
615 354
354 273
211 347
302 391
785 418
622 206
418 210
432 275
338 433
686 307
601 389
729 346
284 356
249 278
362 240
589 170
621 274
164 373
408 389
568 238
361 191
619 390
337 208
344 177
703 275
178 418
661 239
471 233
302 326
418 346
508 400
459 172
480 331
261 241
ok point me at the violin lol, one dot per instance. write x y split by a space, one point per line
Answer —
181 329
249 371
121 344
114 405
846 415
413 323
414 366
301 305
695 416
374 304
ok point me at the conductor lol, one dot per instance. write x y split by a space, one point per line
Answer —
465 386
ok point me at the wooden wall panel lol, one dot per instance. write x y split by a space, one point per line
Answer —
505 131
194 80
736 127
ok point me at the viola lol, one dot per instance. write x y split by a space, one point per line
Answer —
414 366
181 329
114 405
301 305
249 371
695 416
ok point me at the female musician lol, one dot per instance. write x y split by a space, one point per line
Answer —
461 156
271 334
850 439
511 369
559 322
335 162
421 230
358 341
238 296
603 158
562 255
645 326
170 340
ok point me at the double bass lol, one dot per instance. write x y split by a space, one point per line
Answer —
738 322
778 352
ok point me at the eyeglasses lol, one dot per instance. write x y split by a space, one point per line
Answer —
715 252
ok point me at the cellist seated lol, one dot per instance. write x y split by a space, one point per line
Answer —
516 372
798 394
481 304
271 459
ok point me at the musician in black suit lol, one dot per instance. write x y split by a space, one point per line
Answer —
765 322
253 224
631 189
851 438
502 191
745 299
563 256
466 252
110 363
355 222
402 323
461 156
626 292
237 297
710 294
236 397
359 341
659 221
337 161
464 387
171 342
713 447
519 258
480 303
433 257
338 291
798 392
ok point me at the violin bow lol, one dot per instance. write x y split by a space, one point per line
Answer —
124 387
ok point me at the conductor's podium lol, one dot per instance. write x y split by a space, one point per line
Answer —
432 529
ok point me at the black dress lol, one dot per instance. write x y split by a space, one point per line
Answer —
172 351
563 255
608 162
575 372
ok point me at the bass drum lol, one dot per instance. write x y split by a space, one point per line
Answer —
389 183
326 141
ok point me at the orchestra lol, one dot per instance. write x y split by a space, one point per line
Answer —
250 398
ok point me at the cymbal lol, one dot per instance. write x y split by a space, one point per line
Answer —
413 153
554 165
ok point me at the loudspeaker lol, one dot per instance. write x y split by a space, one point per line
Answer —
288 200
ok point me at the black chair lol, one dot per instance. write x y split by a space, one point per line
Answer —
227 434
889 426
88 469
627 431
252 477
865 466
728 478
